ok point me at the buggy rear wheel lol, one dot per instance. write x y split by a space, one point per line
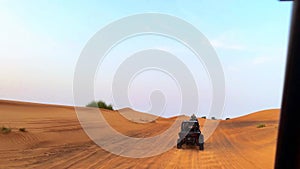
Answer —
179 146
201 146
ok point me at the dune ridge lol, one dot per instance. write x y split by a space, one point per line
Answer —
55 139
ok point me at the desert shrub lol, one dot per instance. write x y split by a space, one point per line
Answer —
22 129
261 125
92 104
109 107
227 118
203 117
100 104
213 118
5 130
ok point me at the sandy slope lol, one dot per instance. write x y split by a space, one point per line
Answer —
55 139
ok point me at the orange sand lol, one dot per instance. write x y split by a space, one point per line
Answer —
55 139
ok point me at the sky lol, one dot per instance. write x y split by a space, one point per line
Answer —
41 42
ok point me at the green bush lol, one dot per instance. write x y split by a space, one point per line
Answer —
92 104
203 117
5 130
100 104
213 118
227 118
22 129
261 125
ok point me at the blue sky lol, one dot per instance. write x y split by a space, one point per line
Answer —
42 40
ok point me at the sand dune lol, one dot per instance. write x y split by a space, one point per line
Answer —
55 139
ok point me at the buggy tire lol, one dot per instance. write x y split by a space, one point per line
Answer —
179 146
201 146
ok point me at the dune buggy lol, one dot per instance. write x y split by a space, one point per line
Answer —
190 134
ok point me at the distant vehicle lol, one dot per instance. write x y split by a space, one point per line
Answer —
190 134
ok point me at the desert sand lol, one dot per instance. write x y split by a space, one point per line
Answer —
55 139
